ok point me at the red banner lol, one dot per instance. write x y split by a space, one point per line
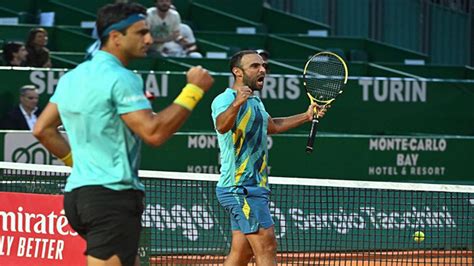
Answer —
35 231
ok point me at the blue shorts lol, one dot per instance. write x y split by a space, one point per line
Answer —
248 207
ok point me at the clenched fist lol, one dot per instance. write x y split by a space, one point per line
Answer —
200 77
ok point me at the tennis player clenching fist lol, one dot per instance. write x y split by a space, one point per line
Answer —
243 94
105 113
242 125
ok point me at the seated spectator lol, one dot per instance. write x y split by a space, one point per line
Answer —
38 54
14 54
164 25
23 116
184 46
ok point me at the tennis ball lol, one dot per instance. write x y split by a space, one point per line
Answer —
419 236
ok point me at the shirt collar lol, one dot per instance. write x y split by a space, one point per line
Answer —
23 111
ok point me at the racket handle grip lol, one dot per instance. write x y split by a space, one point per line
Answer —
312 134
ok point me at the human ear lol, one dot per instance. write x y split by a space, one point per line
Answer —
237 71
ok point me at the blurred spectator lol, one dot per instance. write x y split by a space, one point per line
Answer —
14 54
23 116
164 25
265 56
267 4
38 54
92 49
184 46
150 95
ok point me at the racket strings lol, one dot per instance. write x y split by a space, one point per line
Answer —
324 77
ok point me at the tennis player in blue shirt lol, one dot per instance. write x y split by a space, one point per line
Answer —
106 115
242 126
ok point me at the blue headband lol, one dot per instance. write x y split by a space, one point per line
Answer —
123 23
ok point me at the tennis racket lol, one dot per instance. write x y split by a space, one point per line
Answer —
324 77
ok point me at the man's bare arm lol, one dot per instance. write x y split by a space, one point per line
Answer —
46 131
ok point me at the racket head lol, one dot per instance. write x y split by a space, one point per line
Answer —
324 77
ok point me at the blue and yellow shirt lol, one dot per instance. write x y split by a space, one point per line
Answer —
90 100
244 154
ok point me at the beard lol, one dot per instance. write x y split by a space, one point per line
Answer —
251 83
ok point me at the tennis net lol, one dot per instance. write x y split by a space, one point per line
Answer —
317 221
